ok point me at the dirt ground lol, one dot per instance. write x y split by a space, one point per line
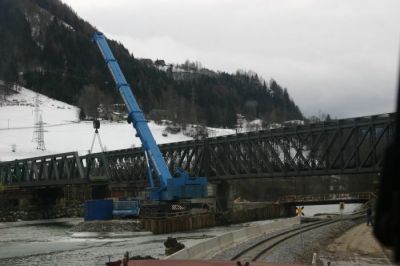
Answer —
357 246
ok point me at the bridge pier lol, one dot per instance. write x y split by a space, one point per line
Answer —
39 203
224 196
100 191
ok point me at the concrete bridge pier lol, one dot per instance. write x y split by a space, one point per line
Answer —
38 203
100 191
43 200
224 196
14 199
47 196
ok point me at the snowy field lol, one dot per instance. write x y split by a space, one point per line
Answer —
64 132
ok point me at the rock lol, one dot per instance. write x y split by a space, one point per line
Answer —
172 245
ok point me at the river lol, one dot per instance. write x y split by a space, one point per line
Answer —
53 244
34 243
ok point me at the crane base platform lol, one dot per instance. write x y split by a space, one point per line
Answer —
178 222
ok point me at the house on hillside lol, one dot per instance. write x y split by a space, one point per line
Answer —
117 116
114 112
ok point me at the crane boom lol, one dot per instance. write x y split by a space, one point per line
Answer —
170 188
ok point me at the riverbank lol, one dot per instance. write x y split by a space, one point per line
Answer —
51 244
68 221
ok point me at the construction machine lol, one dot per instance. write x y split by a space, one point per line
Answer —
171 188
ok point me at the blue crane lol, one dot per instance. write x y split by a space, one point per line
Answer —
170 188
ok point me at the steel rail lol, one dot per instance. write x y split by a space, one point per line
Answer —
254 252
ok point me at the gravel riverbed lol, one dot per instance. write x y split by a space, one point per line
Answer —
108 226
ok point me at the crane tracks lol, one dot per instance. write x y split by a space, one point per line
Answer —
259 249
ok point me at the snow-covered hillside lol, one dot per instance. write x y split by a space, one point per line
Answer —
64 132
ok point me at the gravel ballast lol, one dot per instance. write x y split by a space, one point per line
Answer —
298 249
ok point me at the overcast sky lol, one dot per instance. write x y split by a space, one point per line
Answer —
337 57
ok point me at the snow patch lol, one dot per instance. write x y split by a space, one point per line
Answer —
67 26
64 131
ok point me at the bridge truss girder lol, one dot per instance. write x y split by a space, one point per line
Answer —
348 146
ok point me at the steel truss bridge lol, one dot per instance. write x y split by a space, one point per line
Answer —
346 146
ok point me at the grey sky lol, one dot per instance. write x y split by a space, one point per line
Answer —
339 57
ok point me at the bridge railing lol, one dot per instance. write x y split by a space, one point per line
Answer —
51 169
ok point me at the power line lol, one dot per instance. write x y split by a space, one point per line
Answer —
36 113
40 133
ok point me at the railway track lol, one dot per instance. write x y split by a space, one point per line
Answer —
259 249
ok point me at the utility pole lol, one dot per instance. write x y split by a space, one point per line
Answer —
36 113
40 133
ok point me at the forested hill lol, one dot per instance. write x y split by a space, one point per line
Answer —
48 48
